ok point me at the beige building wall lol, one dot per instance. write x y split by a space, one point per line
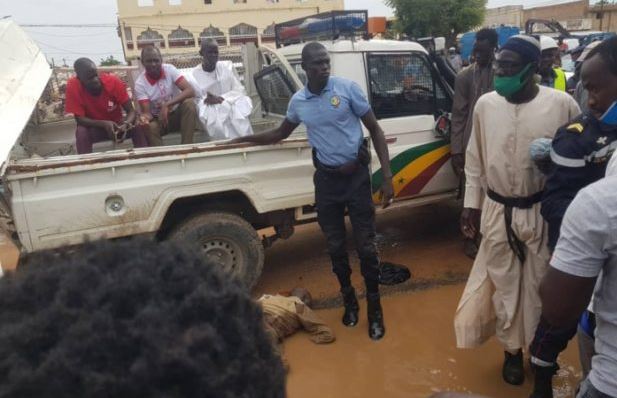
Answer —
604 18
230 21
571 15
507 15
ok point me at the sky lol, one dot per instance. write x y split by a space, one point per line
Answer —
66 44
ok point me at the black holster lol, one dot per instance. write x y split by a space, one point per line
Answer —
363 159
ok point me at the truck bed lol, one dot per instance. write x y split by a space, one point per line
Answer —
58 139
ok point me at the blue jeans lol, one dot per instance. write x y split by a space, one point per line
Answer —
589 391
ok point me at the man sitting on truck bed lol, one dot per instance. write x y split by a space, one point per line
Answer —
95 101
165 99
224 108
331 108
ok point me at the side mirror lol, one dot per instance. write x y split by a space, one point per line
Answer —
440 44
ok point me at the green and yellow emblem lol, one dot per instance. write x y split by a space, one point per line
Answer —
335 101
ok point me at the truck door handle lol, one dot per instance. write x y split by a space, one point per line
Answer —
391 140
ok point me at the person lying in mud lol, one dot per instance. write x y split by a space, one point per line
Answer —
285 315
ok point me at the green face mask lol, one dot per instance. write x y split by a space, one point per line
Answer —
506 86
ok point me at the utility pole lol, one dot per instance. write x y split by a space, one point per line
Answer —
601 13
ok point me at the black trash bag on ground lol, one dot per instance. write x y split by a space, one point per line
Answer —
393 274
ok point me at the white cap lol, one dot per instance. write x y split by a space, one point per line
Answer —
547 43
452 49
588 49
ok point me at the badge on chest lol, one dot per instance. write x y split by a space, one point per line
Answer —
335 101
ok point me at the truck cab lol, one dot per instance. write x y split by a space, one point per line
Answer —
407 94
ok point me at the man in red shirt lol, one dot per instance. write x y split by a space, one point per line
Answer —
95 101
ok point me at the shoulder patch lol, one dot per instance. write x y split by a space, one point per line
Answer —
575 128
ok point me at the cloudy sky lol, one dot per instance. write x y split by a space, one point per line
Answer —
99 42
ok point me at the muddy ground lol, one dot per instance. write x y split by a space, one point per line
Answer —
418 355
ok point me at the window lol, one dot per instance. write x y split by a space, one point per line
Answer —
150 37
175 2
297 67
274 90
181 38
268 34
145 3
215 33
207 1
243 33
402 84
239 1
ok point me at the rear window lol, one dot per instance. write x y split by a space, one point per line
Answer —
402 84
275 90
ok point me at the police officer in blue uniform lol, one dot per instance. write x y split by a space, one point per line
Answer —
580 153
332 109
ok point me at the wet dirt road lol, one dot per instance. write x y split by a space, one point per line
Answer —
418 355
424 239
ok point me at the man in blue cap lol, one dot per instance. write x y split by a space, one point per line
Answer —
502 201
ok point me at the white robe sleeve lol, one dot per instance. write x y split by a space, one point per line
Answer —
474 164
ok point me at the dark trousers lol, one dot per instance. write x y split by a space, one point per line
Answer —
85 137
333 194
549 341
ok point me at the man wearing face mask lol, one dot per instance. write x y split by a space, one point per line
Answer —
97 100
223 106
165 98
580 153
502 201
471 83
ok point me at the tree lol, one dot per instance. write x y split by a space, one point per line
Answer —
421 18
110 61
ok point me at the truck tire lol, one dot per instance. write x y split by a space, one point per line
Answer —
226 240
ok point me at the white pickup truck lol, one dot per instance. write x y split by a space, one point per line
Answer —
216 196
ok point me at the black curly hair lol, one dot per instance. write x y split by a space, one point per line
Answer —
131 319
489 35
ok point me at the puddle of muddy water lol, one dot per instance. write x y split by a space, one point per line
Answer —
425 239
416 358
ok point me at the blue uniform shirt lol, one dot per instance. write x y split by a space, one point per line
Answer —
332 119
580 153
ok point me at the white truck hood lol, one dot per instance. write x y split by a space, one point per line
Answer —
23 77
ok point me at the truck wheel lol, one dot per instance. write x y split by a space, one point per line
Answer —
228 241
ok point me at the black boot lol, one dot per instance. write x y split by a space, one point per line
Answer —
543 381
376 328
350 316
512 371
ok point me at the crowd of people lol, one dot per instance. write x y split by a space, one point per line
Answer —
539 216
538 199
210 97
